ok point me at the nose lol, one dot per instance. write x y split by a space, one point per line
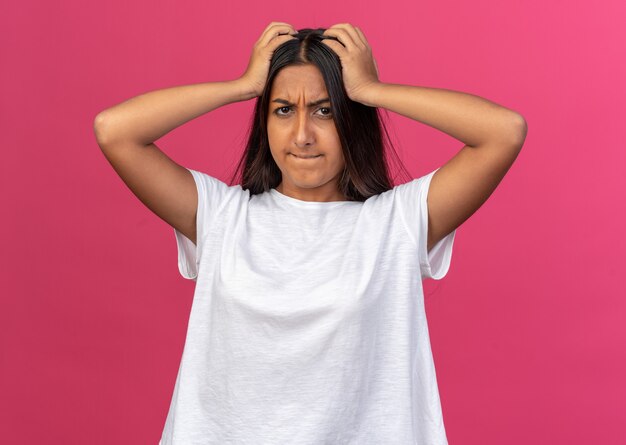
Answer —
304 133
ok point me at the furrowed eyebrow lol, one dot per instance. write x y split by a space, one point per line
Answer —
310 104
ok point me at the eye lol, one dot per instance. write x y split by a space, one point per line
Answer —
277 111
282 111
328 112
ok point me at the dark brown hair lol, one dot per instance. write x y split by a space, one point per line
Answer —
360 128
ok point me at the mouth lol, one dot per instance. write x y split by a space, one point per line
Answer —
306 157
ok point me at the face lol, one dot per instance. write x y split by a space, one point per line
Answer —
300 125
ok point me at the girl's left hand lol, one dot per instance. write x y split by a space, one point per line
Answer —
360 73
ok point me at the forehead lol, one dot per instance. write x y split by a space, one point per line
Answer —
298 80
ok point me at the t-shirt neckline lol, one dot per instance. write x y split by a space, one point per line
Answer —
300 203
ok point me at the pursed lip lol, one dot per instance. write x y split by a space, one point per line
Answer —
306 156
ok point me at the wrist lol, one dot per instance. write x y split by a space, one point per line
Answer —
369 95
245 89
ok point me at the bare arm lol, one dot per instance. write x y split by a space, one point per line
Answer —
470 119
145 118
126 133
493 135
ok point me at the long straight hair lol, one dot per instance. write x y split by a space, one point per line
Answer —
360 127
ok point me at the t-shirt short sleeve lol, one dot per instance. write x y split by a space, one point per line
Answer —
412 199
211 194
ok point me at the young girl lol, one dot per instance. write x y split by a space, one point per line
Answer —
308 322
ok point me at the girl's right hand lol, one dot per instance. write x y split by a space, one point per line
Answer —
256 74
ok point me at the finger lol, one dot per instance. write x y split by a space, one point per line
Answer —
362 36
279 40
275 24
278 27
276 31
265 31
347 34
352 31
334 45
268 29
341 35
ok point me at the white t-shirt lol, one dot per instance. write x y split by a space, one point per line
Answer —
307 325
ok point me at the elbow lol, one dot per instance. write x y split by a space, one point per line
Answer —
519 130
510 131
100 124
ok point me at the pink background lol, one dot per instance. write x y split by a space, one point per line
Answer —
528 328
